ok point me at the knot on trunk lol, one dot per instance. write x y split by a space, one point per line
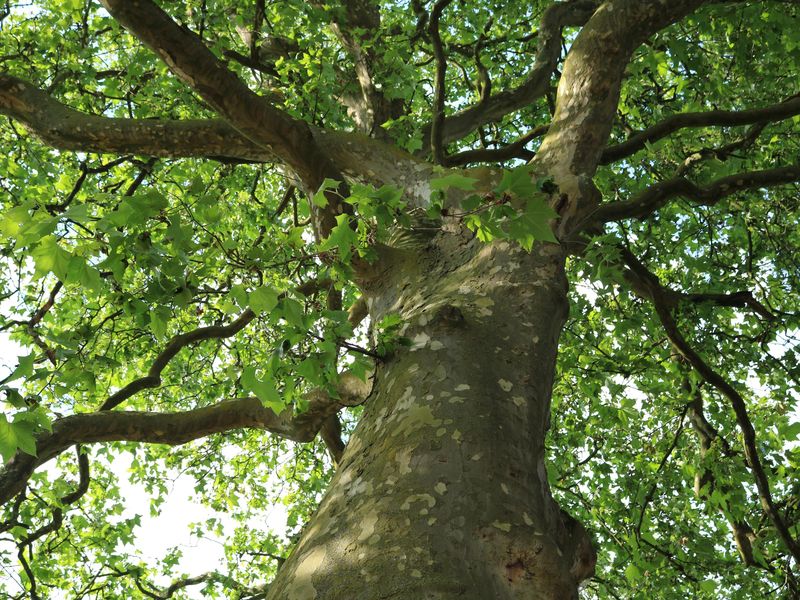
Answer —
448 316
579 547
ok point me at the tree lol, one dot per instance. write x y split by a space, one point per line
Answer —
483 254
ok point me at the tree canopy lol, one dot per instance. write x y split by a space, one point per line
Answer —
194 197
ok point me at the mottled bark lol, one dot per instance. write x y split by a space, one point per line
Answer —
442 491
587 99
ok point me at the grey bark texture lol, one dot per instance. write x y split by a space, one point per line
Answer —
442 491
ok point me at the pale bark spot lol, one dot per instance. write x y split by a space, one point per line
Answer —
436 345
504 487
519 400
527 519
462 387
360 487
419 341
368 526
403 459
416 573
456 435
477 456
414 418
440 488
302 588
367 577
426 498
505 385
502 526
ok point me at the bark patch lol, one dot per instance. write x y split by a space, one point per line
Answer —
515 571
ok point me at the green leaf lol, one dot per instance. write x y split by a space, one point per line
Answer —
26 440
8 439
319 199
471 202
158 322
24 368
291 310
536 217
453 180
518 181
342 237
16 435
388 194
632 573
264 390
49 257
708 585
263 299
310 370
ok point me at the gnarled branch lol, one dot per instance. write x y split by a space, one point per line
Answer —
775 112
650 283
656 196
537 82
588 94
175 345
355 155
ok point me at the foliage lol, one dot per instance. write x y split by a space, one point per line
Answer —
107 258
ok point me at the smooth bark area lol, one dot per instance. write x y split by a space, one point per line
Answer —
442 491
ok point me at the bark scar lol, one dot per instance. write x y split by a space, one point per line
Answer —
515 571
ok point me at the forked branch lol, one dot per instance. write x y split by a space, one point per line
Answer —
187 56
175 345
650 283
656 196
537 81
725 118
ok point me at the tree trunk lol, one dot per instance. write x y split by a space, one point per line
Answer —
442 491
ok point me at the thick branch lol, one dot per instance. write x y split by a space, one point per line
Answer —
357 156
650 282
437 148
729 118
705 480
184 582
588 92
179 427
537 81
587 99
358 29
656 196
252 115
187 57
67 129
